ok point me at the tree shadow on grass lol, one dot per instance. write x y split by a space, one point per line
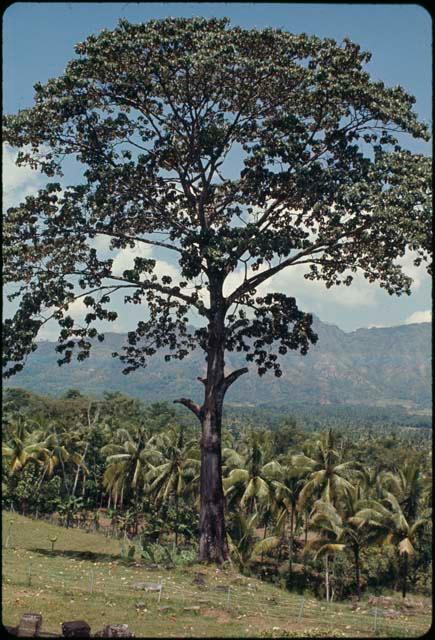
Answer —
77 555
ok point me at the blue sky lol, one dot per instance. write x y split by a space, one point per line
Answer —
38 41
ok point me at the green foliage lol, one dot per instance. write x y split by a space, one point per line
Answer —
128 552
388 392
68 509
158 554
266 529
380 567
151 111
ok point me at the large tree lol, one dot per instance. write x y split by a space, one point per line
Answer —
235 151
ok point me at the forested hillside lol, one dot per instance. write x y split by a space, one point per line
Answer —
379 366
337 513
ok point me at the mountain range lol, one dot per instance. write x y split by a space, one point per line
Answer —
378 366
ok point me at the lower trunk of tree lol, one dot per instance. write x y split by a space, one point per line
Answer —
79 467
76 479
176 521
290 544
264 537
327 577
212 542
405 574
213 545
357 572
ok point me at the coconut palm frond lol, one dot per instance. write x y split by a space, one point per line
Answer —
265 546
329 548
272 470
235 476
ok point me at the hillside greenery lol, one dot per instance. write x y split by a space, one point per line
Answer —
389 368
330 511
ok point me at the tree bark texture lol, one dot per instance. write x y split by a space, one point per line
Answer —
212 543
357 572
405 574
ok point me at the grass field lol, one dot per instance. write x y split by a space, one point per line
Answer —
84 578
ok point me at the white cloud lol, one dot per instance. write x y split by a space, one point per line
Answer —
77 309
292 282
124 259
419 316
18 182
418 274
385 325
102 244
49 331
163 268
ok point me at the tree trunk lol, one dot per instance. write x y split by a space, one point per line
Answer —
83 483
290 544
405 574
327 577
264 537
213 545
176 521
212 542
42 476
357 572
76 479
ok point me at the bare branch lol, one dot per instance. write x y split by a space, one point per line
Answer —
232 377
157 243
193 406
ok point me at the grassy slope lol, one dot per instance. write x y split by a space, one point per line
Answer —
60 590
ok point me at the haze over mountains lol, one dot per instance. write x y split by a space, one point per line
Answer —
378 366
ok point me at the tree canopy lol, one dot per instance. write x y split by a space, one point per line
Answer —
242 153
153 112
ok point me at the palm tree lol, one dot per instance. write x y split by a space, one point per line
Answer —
406 484
339 525
427 485
287 491
326 521
242 539
177 470
128 457
250 482
83 435
59 452
328 477
114 479
388 518
372 480
23 447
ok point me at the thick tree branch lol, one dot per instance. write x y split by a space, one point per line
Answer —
156 243
259 278
232 377
193 406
